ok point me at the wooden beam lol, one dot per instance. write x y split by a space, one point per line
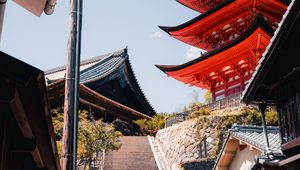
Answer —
37 158
222 168
102 109
229 153
289 160
108 103
90 97
292 144
20 116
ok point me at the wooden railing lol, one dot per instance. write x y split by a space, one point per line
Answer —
232 101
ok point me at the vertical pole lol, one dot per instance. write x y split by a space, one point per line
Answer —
262 108
69 148
2 11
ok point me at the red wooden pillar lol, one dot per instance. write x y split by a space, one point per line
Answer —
242 80
213 94
225 89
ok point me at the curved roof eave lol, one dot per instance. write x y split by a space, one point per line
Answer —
124 60
168 29
258 22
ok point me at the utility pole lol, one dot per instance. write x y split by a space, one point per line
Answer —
69 148
2 11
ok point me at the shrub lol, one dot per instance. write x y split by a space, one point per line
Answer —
93 135
202 111
150 127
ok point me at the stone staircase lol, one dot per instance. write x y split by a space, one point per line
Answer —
135 154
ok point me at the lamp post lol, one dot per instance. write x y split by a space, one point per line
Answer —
69 148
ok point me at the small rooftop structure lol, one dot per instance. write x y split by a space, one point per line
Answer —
243 144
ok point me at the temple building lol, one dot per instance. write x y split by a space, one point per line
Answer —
108 86
234 34
276 82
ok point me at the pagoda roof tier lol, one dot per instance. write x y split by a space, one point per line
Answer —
205 5
233 59
225 22
200 5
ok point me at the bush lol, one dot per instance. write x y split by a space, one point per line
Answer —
271 117
150 127
93 136
202 111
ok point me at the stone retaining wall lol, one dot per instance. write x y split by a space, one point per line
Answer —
180 142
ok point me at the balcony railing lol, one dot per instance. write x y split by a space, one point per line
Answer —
232 101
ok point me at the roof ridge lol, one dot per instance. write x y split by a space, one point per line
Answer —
86 61
252 128
112 68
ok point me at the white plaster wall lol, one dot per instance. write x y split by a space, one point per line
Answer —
244 159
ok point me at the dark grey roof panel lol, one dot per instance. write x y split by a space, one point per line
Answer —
254 135
103 68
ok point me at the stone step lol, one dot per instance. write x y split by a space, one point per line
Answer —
135 154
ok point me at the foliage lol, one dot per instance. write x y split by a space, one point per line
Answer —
97 136
194 106
150 127
202 111
93 135
224 120
271 117
208 97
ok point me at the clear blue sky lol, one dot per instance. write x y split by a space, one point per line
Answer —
109 26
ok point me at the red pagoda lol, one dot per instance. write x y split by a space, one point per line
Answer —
235 33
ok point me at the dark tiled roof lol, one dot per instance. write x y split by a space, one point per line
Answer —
103 68
116 62
107 67
254 136
85 62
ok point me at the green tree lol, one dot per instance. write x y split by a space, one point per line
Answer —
150 127
94 137
208 97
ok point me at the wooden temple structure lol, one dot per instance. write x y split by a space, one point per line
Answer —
27 139
276 82
108 86
234 34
